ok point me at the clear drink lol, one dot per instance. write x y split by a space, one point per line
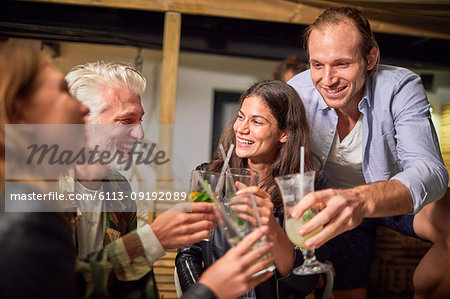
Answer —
292 226
202 187
200 181
239 223
293 188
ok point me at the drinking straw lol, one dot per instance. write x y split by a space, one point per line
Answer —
224 168
224 157
302 160
228 222
255 208
302 169
222 151
220 183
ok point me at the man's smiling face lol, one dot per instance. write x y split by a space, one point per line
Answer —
338 69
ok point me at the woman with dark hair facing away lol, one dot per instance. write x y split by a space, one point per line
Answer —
268 131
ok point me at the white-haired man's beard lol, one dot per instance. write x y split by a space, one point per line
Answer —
112 146
120 160
108 155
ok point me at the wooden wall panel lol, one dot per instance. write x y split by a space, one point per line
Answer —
396 258
444 138
164 275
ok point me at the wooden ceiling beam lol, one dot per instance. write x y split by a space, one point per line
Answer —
415 7
403 19
297 12
407 2
264 10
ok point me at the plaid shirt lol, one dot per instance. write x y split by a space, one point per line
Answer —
120 268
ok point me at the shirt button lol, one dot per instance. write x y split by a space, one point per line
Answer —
331 131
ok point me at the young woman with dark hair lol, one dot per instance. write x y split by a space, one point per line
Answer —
268 131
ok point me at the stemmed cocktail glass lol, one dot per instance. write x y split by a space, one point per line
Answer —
293 188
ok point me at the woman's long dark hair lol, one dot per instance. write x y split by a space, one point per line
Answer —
287 108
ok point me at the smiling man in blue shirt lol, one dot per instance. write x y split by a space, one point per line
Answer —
372 127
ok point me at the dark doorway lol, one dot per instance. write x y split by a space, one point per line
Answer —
225 106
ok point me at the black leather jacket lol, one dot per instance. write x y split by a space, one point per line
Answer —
199 291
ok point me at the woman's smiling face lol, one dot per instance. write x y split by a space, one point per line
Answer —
257 135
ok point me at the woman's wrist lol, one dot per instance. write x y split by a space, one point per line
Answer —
274 229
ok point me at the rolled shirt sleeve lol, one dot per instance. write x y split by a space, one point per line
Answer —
417 145
152 248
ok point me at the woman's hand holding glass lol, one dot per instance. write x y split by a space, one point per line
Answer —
239 216
263 202
282 250
235 273
238 178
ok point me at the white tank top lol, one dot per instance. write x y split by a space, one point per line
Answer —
343 168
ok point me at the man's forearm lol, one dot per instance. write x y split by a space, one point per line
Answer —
344 209
384 199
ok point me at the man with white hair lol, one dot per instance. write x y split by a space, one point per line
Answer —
114 253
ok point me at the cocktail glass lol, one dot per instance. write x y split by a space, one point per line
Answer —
239 216
203 186
293 188
200 180
245 176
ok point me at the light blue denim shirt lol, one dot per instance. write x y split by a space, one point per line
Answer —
399 140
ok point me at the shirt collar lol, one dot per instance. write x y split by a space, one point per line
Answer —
367 99
322 104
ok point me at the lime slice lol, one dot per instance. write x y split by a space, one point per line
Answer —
307 216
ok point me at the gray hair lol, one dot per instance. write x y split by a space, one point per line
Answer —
87 83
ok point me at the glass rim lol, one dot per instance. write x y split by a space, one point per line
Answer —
288 176
255 173
205 171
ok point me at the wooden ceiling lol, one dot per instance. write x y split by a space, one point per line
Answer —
413 33
424 18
